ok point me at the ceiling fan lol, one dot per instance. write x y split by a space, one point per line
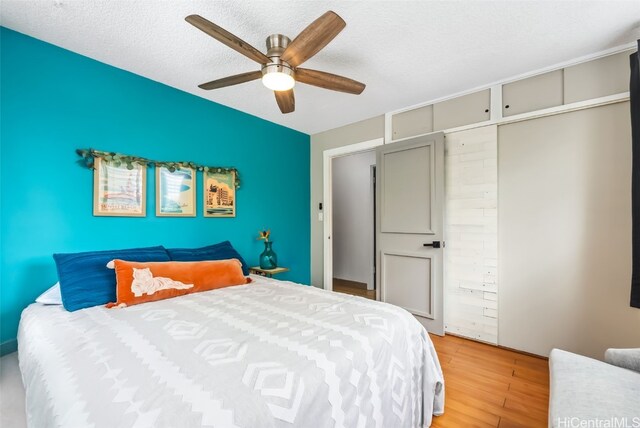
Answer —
280 66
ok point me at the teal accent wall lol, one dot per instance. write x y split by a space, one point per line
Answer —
53 101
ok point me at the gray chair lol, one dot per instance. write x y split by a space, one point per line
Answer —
584 389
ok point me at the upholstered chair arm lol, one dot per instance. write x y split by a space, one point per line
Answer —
625 358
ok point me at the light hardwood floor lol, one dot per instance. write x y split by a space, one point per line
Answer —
353 288
487 386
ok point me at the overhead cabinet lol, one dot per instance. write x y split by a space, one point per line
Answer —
590 80
412 122
460 111
535 93
598 78
465 110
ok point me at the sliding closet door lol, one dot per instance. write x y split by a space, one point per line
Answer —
565 232
410 194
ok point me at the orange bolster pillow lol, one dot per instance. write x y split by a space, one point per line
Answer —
146 282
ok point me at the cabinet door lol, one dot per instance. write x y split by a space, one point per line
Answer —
412 122
598 78
465 110
535 93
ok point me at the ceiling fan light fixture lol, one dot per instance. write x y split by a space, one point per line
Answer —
277 77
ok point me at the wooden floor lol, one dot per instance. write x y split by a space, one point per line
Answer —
354 288
487 386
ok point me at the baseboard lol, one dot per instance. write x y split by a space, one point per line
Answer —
8 347
506 348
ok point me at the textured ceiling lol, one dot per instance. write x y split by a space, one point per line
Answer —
406 52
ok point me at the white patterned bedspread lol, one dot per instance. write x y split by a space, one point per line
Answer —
267 354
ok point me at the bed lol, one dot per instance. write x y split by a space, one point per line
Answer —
266 354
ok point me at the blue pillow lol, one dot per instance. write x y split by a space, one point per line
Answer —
221 251
86 281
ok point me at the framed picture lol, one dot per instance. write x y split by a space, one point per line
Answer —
175 192
219 194
119 191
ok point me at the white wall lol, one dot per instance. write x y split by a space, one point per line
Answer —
353 228
358 132
471 233
565 232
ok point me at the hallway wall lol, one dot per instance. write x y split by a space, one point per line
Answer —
353 227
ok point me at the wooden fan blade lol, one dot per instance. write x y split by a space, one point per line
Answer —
313 38
231 80
329 81
225 37
286 101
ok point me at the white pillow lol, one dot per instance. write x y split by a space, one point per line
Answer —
51 296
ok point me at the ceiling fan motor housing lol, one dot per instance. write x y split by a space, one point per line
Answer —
276 44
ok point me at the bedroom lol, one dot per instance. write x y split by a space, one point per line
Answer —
502 214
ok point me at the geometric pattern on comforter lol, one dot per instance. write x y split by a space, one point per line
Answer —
266 354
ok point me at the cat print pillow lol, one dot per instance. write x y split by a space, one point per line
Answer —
146 282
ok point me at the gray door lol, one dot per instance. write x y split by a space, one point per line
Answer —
410 195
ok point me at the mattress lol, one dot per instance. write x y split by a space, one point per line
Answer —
266 354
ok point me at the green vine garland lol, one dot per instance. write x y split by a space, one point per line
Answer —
89 156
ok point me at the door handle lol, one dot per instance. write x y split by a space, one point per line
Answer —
434 244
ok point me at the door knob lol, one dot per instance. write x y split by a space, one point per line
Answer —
434 244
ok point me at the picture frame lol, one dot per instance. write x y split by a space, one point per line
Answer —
119 191
175 192
219 193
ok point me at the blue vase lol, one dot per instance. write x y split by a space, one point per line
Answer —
268 258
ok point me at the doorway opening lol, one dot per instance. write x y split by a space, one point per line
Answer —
353 220
349 219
